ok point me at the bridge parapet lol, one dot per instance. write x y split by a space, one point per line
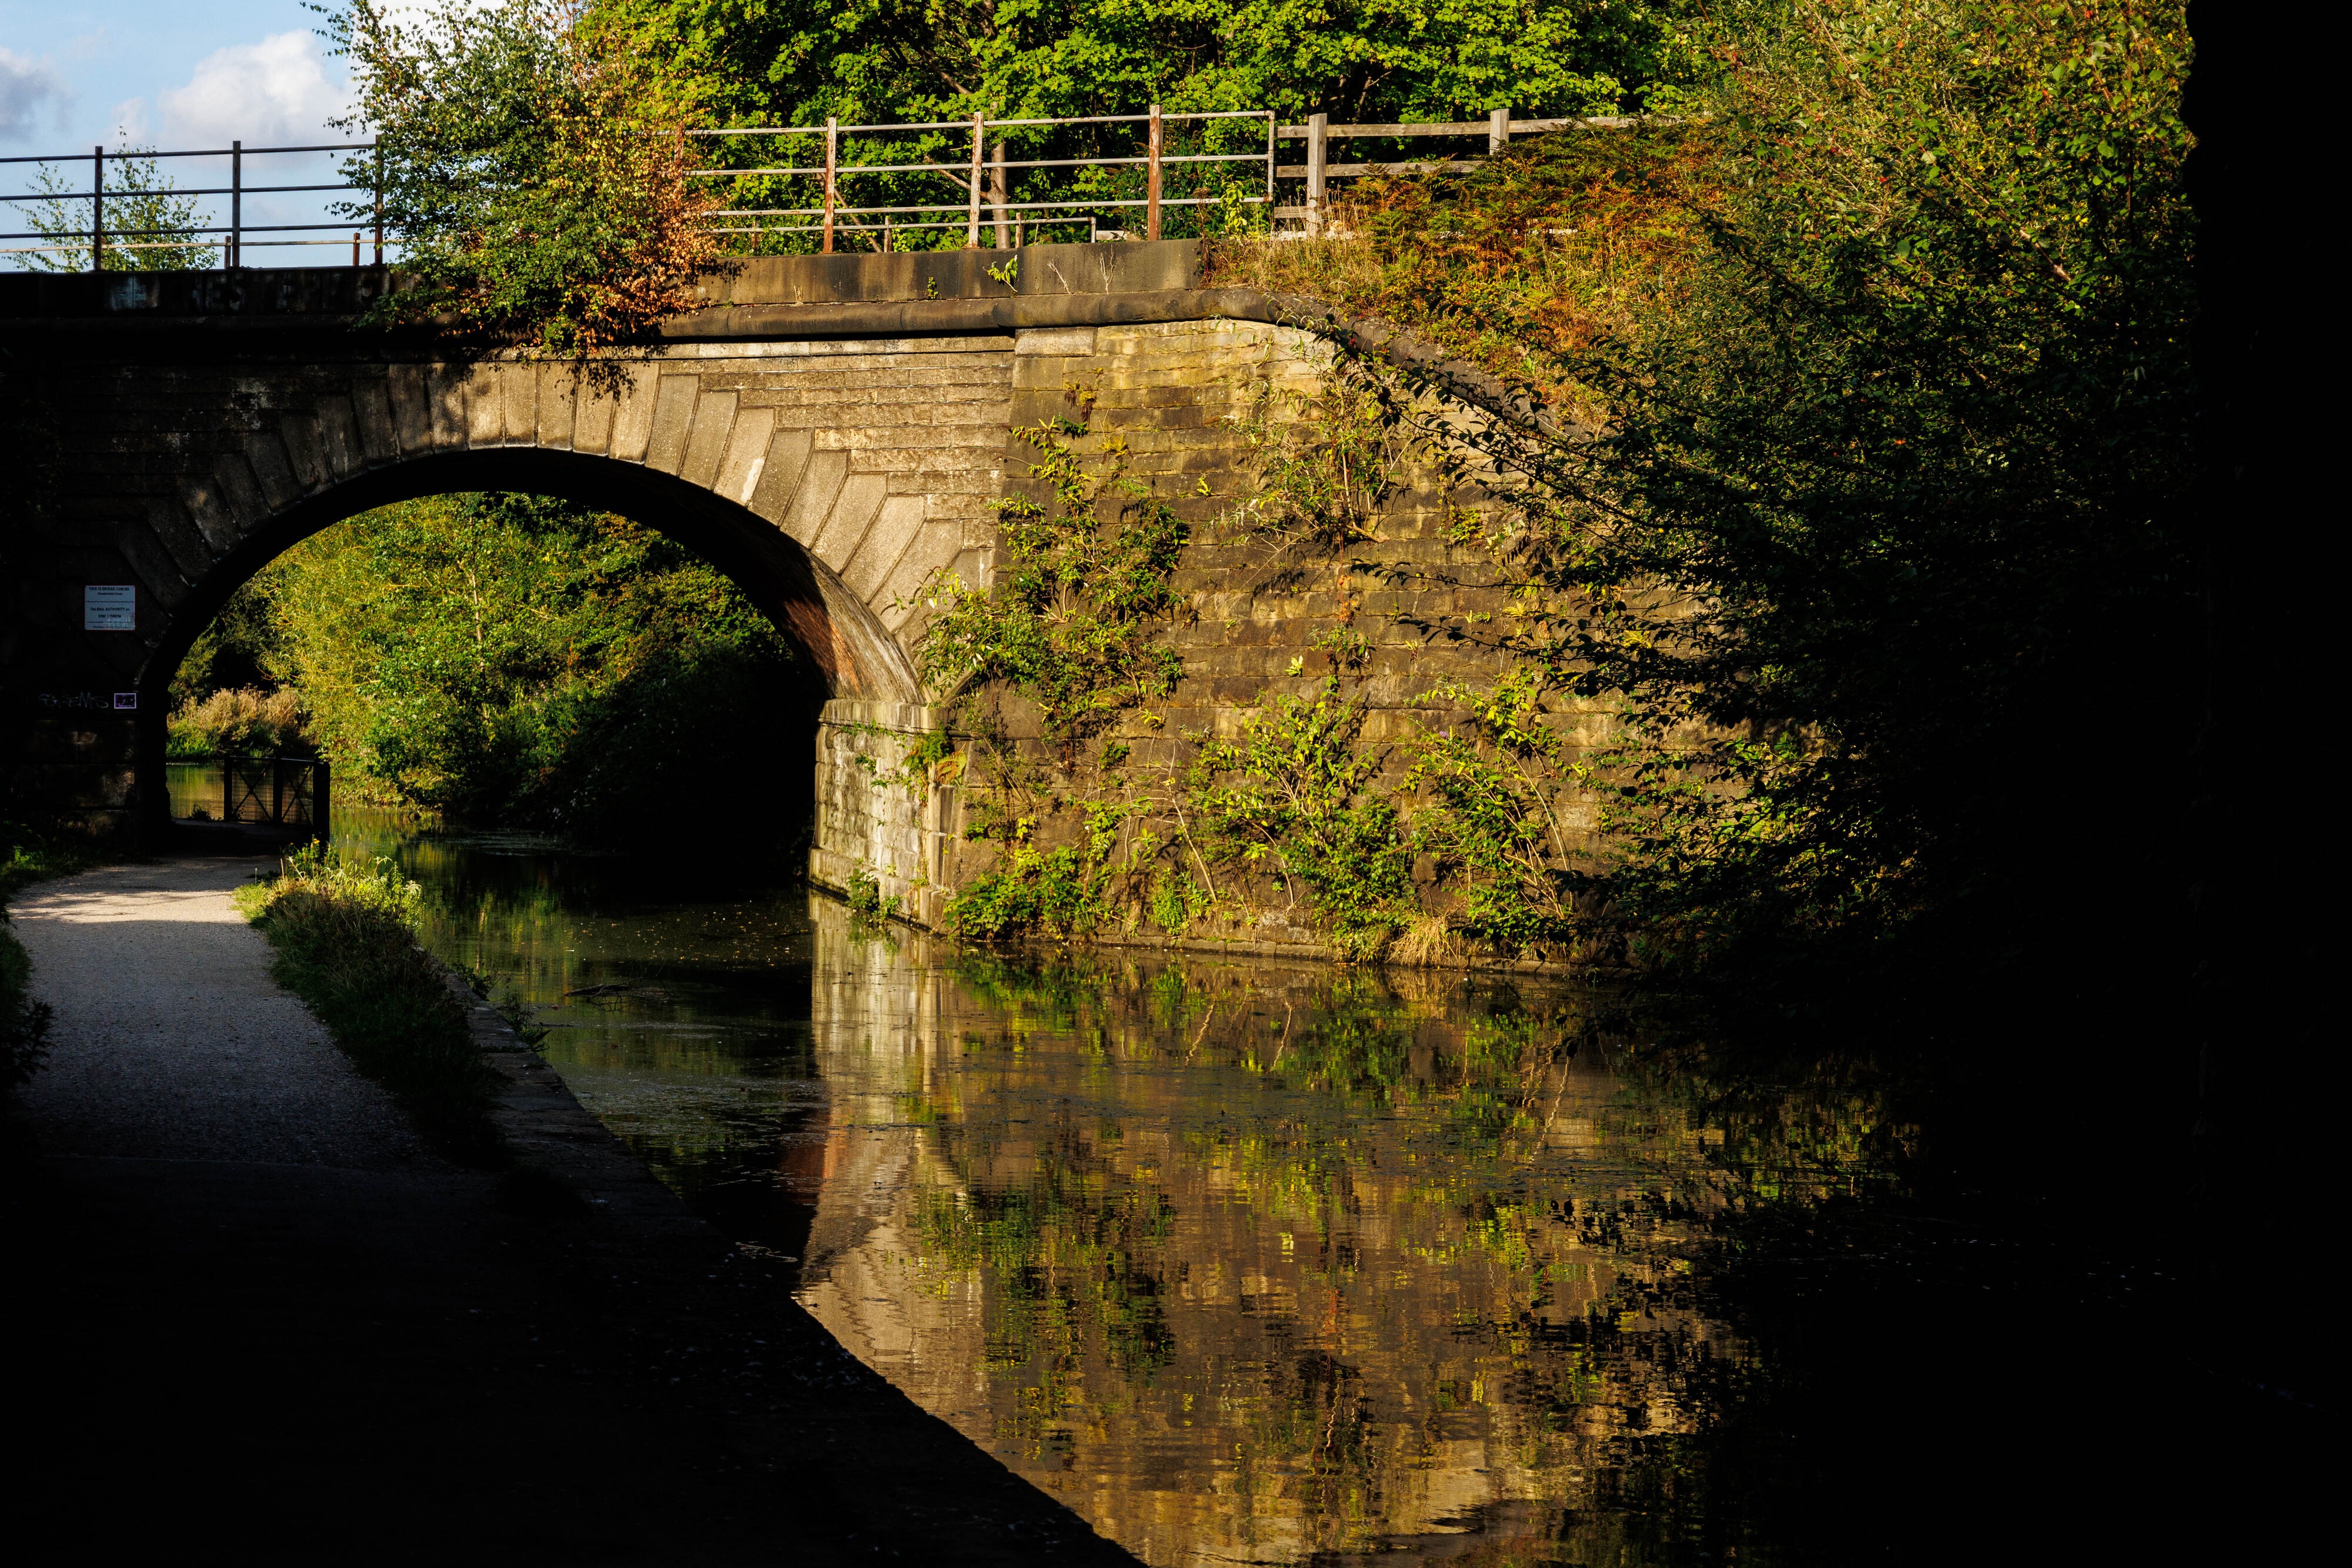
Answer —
336 296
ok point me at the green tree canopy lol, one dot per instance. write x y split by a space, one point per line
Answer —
523 662
534 176
794 62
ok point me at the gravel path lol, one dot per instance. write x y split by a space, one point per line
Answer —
172 1042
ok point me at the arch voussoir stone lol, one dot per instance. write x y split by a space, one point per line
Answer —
744 453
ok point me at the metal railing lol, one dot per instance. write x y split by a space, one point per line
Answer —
268 792
233 242
835 214
983 180
1318 133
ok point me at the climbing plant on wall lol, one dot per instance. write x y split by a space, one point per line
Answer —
1073 625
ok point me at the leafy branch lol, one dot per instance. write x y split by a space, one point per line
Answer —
535 172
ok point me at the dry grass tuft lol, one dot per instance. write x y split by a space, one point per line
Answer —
1426 939
245 720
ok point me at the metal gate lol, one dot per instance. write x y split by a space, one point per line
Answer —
275 791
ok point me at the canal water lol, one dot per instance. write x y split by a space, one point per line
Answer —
1256 1264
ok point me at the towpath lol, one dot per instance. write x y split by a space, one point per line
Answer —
258 1316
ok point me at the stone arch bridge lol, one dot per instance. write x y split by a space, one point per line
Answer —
829 431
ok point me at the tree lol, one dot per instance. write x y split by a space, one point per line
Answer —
518 661
788 62
535 174
1878 548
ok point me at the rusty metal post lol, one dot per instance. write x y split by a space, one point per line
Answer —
999 194
1318 127
979 146
236 203
98 209
1151 180
832 149
379 201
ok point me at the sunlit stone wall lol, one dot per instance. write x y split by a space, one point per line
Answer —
871 816
1259 620
834 435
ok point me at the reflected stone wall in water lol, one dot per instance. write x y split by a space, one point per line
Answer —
1245 1263
1251 1265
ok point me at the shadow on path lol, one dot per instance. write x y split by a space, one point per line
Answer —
257 1317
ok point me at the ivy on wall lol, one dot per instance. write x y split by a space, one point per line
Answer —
1075 625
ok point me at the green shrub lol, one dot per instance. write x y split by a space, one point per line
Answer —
345 934
1058 891
1490 811
246 722
1177 901
23 1022
867 903
1294 796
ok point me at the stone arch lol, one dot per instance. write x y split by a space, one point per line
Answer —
844 640
828 479
790 465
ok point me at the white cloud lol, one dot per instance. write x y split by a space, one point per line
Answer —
131 126
273 93
26 87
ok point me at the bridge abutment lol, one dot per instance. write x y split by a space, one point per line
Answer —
882 812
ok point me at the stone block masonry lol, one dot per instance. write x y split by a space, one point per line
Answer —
905 834
835 433
1174 397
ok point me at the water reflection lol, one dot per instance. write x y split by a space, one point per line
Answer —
1245 1263
195 791
1250 1264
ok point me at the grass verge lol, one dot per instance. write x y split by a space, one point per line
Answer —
346 938
23 1022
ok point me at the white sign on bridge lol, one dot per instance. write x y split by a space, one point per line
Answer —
110 607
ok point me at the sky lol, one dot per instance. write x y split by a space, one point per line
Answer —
168 74
179 73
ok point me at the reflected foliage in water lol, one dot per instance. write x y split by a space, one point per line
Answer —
1244 1262
1271 1264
